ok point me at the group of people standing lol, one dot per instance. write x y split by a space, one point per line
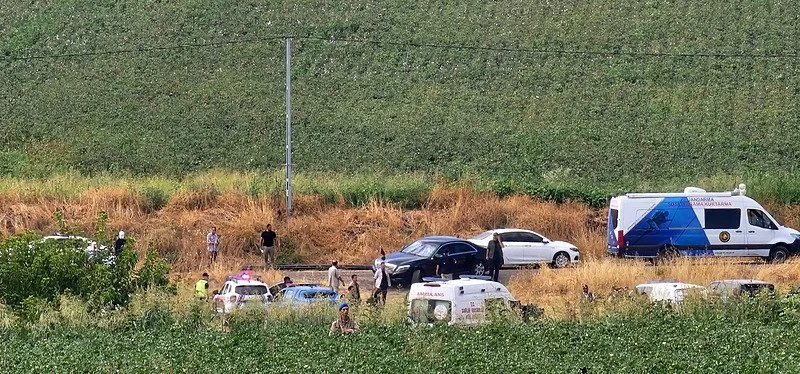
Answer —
381 283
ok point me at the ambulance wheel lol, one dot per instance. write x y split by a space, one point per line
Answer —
416 276
778 255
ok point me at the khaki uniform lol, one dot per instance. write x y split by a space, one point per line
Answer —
340 325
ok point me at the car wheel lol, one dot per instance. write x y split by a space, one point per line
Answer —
480 269
560 260
416 276
778 255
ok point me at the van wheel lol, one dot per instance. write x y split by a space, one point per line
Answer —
560 260
778 255
665 256
416 276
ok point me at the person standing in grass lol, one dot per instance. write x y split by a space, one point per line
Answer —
355 289
267 245
382 284
494 257
334 276
119 243
212 239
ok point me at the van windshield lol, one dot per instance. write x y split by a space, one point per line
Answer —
430 311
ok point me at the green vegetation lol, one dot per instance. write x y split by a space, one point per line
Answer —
650 113
654 340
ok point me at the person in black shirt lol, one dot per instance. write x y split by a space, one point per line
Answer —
494 257
444 265
119 243
267 244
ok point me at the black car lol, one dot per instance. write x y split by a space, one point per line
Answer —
419 259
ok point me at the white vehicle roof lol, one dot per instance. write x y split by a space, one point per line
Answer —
740 281
449 289
647 287
507 230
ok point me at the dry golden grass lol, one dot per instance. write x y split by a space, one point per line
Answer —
560 291
323 232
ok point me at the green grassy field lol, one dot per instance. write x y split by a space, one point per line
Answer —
648 113
635 344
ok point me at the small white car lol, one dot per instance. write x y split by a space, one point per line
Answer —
672 292
236 293
523 247
465 301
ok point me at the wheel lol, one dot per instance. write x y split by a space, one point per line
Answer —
560 260
778 255
665 255
480 268
416 276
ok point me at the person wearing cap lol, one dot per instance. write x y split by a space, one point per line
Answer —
201 288
119 243
344 324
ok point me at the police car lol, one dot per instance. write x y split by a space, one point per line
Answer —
696 223
469 300
240 291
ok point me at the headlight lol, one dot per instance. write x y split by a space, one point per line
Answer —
401 269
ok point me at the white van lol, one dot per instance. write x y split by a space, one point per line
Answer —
696 223
465 301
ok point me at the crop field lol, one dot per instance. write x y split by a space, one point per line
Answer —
568 100
653 340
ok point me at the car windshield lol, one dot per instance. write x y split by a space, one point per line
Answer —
484 235
420 248
430 311
251 290
318 295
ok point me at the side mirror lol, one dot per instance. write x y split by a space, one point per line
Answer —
545 241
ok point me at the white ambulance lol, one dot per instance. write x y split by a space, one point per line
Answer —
696 223
466 301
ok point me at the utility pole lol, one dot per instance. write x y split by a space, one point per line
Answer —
288 126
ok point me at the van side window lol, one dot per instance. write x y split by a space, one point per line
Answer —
757 218
725 219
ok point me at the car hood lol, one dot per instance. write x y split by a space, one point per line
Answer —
560 244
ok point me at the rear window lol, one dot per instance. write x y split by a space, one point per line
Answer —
251 290
430 311
318 295
724 219
613 218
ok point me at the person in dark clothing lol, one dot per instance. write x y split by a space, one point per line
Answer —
445 264
494 257
119 243
267 245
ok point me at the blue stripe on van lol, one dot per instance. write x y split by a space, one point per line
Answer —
672 222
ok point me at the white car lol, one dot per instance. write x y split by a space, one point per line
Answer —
673 292
237 292
522 247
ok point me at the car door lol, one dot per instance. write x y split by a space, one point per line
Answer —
461 257
513 247
533 248
760 232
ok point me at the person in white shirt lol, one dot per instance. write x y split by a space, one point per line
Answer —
334 276
382 284
213 244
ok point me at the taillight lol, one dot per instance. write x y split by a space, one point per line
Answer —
620 239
